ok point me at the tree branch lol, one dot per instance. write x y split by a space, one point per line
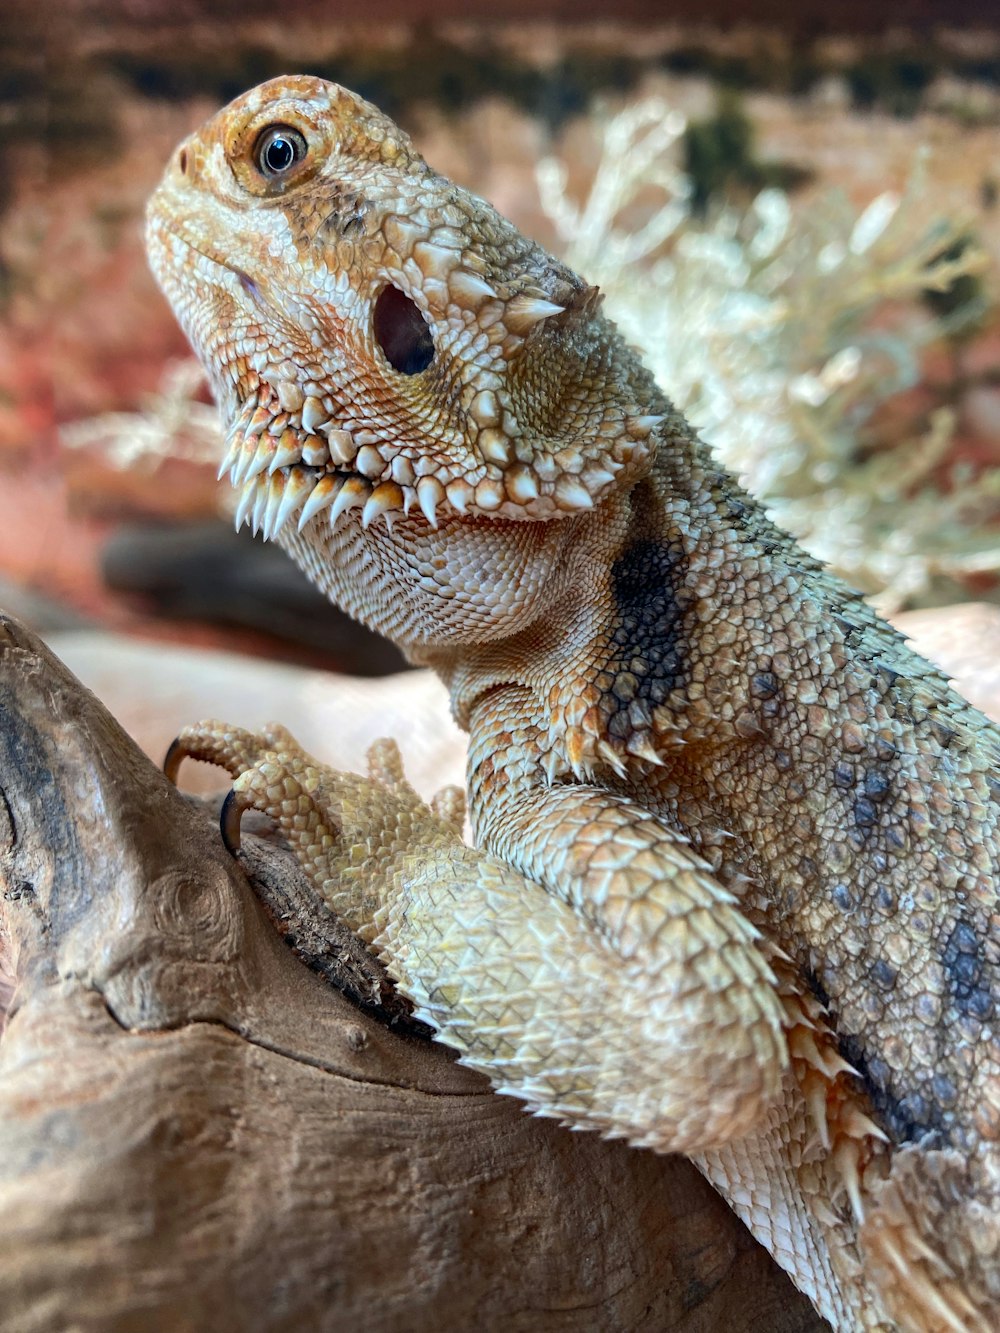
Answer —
198 1132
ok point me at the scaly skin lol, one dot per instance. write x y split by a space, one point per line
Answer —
736 886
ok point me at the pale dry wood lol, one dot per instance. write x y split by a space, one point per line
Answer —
197 1132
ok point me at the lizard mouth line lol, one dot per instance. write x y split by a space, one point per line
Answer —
248 284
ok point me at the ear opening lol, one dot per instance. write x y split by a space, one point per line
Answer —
402 332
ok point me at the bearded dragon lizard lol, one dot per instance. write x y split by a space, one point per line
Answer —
734 890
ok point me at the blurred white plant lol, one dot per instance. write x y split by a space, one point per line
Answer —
779 332
171 423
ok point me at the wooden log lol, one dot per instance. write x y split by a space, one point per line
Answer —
198 1132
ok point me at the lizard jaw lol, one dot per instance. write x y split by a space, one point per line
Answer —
481 459
287 455
283 460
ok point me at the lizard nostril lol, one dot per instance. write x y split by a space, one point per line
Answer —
402 332
182 161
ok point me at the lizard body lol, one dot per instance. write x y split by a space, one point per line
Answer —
736 886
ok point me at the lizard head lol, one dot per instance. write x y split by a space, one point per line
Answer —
427 393
378 338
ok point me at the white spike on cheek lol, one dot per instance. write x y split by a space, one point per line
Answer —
572 495
459 494
259 422
845 1159
611 758
596 478
468 289
430 493
642 426
298 485
244 458
384 499
642 748
247 496
521 484
275 495
232 454
266 450
323 494
495 446
522 313
261 494
287 452
354 492
245 414
485 408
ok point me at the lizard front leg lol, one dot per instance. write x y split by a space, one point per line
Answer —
694 1049
613 986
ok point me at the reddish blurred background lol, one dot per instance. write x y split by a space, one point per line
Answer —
94 96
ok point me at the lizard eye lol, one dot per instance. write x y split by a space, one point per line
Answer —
277 150
402 332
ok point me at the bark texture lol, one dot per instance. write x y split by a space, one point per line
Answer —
198 1132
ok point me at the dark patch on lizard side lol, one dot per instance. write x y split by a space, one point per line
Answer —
907 1117
811 978
965 969
651 642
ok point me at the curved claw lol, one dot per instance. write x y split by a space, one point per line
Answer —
229 821
172 760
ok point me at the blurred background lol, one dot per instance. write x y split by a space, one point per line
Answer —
793 211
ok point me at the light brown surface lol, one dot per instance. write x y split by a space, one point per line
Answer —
155 689
964 641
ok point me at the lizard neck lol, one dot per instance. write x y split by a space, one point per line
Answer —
678 622
636 629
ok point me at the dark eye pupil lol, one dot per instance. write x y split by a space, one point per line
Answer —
279 154
402 333
278 149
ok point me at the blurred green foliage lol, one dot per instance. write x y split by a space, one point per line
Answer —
720 159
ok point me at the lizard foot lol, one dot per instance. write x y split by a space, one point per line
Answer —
665 1033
